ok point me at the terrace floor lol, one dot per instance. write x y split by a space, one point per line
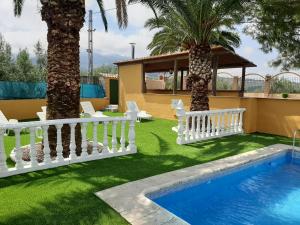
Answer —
65 195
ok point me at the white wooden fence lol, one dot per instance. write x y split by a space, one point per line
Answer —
202 125
108 149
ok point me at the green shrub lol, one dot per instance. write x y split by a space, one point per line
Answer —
285 95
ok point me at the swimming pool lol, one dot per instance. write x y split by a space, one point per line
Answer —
264 192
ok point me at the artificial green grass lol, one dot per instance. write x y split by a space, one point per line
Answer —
65 195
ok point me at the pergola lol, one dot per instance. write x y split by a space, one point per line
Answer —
179 62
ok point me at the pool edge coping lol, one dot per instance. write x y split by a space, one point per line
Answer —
131 202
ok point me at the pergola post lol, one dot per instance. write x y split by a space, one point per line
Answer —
243 81
175 76
181 81
214 78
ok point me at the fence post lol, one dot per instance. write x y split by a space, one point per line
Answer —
19 152
47 158
3 166
180 113
59 146
132 116
267 86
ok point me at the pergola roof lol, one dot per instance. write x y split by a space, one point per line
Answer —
226 59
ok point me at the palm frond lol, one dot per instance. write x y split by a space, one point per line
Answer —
103 14
18 6
184 23
122 16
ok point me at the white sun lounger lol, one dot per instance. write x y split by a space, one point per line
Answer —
41 116
112 108
89 110
44 109
176 104
4 120
132 106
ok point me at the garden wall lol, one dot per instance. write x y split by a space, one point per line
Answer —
27 108
278 116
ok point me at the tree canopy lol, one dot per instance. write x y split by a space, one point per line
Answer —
183 24
276 26
21 67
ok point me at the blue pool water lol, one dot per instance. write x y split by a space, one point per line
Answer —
264 193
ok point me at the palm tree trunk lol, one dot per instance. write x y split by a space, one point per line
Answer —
64 19
200 63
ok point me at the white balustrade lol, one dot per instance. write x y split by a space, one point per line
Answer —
84 144
114 136
202 125
33 158
105 139
95 138
59 145
99 150
3 166
47 158
122 139
72 142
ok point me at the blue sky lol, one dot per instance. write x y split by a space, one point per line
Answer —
25 31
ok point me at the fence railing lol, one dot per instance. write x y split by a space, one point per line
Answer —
284 82
37 90
110 147
202 125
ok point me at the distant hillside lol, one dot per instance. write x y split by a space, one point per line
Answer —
99 60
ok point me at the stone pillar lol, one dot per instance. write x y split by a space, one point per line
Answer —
267 86
235 83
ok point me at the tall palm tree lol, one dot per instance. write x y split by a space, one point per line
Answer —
64 19
195 25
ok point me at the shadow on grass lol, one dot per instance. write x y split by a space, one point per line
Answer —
99 173
82 207
164 146
68 208
140 165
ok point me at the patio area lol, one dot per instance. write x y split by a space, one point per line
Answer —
41 197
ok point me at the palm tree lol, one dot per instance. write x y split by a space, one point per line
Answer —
194 25
64 19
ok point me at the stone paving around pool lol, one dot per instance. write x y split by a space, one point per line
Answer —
131 202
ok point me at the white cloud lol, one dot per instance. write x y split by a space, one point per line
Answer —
25 31
118 43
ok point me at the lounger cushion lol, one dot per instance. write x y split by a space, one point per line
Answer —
13 121
98 114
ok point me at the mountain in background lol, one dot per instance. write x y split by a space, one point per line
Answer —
100 59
